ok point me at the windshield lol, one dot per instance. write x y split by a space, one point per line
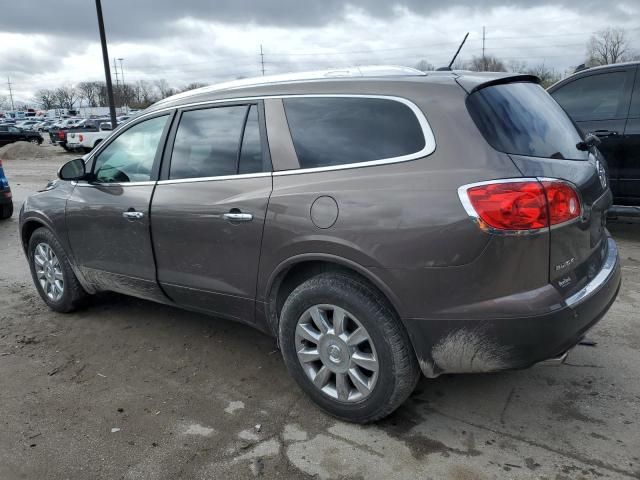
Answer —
523 119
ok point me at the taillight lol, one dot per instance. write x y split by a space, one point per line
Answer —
81 138
521 205
563 201
61 135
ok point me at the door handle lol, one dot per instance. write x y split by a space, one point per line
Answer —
132 215
238 217
605 133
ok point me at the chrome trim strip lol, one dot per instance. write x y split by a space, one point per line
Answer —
596 282
123 184
466 203
429 138
213 179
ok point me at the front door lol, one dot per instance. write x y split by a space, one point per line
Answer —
108 216
208 211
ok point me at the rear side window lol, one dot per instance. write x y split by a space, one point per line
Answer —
328 131
522 118
216 142
597 97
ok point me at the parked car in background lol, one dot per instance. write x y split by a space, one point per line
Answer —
57 132
87 141
26 124
6 201
10 134
402 223
606 101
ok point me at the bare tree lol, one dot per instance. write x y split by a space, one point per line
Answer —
4 102
193 86
164 89
143 94
66 97
90 91
488 63
424 66
607 46
517 66
548 76
46 98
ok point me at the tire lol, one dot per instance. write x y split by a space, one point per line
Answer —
73 295
387 342
35 141
6 211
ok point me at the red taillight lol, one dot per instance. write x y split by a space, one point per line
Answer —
81 137
523 205
563 201
61 135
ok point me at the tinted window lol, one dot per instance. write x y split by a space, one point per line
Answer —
335 131
207 142
129 158
634 111
251 151
596 97
523 119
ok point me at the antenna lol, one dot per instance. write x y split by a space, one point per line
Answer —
458 51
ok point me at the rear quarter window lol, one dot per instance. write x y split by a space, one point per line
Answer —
329 131
522 118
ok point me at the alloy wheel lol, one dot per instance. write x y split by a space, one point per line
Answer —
336 353
48 271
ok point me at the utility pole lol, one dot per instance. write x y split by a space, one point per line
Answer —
484 60
105 60
117 90
262 59
10 93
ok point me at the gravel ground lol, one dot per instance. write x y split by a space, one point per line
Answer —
130 389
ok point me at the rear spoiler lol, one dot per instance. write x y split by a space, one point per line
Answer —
477 81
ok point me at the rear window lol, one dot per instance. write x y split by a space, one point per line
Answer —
523 119
328 131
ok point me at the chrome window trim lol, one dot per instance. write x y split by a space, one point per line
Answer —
214 179
603 275
114 184
429 138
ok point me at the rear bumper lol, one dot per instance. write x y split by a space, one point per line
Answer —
493 344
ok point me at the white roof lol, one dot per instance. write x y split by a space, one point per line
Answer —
365 71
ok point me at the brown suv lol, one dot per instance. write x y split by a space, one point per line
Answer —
379 226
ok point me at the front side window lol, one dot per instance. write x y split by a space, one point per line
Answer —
129 158
597 97
218 141
328 131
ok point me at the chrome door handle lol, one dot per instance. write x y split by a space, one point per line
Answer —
132 214
238 217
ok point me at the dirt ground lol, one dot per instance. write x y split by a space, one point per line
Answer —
134 390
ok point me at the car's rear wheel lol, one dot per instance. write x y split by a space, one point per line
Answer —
52 273
346 348
6 210
35 141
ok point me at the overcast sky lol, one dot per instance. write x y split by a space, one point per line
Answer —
48 43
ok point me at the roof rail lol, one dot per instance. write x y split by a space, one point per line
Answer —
347 72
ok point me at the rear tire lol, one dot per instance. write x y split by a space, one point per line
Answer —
52 273
6 211
361 382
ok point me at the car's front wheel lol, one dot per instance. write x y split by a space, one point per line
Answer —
346 348
52 273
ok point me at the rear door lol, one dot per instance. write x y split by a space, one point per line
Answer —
208 211
599 102
521 119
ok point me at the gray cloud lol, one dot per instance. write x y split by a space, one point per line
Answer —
135 19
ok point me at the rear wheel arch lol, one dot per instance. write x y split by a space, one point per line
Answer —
297 270
28 228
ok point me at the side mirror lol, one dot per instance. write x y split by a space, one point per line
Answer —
73 170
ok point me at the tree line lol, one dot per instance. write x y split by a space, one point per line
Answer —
605 47
139 95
